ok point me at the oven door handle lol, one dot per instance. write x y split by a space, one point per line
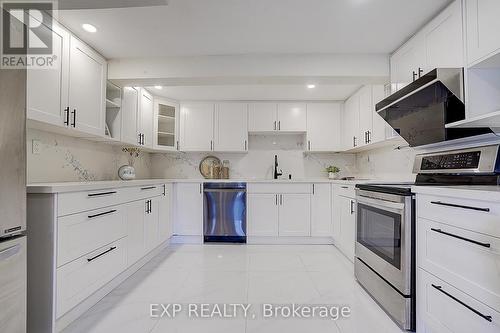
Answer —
383 204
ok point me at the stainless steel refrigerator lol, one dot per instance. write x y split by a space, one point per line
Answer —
13 271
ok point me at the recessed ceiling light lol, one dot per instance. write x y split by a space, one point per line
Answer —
89 27
159 87
311 86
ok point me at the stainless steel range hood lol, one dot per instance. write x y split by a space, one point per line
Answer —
420 111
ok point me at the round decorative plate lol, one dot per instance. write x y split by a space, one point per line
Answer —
205 165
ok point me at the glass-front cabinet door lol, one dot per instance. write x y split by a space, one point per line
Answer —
166 125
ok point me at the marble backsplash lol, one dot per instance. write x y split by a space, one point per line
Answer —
388 163
62 158
258 162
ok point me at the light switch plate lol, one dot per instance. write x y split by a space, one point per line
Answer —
37 147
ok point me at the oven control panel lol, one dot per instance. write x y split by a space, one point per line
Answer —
469 160
473 161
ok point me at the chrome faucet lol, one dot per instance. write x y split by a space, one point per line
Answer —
276 173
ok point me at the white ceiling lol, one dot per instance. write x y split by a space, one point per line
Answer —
223 27
256 92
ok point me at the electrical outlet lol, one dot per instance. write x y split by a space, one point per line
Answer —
37 147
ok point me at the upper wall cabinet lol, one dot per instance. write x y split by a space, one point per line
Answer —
292 117
197 126
130 116
146 118
262 117
72 95
483 26
350 123
438 44
231 127
87 88
323 126
165 124
47 98
277 117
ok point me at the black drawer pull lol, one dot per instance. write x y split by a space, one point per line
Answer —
460 237
101 214
439 288
101 194
460 206
344 187
97 256
148 188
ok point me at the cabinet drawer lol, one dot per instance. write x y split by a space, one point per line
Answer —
144 192
443 308
475 215
76 202
82 233
468 260
279 188
82 277
344 190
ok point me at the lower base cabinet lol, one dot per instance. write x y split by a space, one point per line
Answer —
78 251
262 215
294 215
344 220
188 209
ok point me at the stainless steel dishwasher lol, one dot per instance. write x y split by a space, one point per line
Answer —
224 212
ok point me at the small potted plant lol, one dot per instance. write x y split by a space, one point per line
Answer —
127 172
332 171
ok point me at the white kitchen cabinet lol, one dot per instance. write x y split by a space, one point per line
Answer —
151 223
165 215
438 44
292 117
146 118
380 129
135 218
197 126
350 122
408 61
130 116
47 95
166 124
188 209
262 117
294 215
321 210
324 122
444 39
347 237
231 127
87 88
366 110
262 214
482 26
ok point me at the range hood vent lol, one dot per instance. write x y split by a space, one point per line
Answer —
420 111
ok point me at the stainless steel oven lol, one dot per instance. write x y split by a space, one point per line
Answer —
384 249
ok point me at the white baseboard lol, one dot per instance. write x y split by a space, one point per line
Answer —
92 300
178 239
290 240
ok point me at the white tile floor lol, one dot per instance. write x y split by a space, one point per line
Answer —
249 274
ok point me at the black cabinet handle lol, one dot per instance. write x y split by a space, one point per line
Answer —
440 289
313 189
354 141
275 128
211 145
279 125
74 118
150 207
245 145
344 187
177 144
420 72
352 207
414 75
101 214
369 136
460 237
66 111
99 255
100 194
148 188
459 206
309 145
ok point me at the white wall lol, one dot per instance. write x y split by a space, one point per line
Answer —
65 158
388 163
259 161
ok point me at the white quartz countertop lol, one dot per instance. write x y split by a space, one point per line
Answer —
61 187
